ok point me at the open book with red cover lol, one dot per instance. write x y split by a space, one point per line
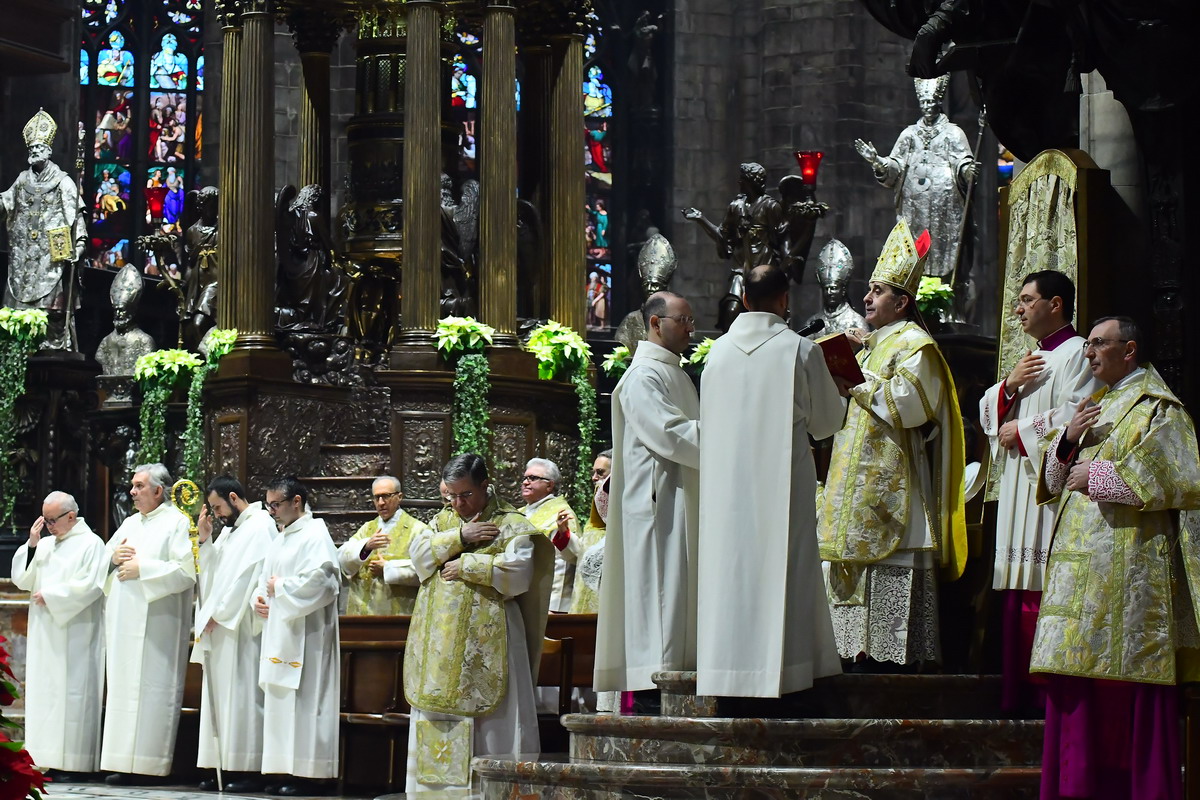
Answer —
839 357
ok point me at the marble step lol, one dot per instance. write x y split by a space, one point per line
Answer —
850 696
896 743
531 780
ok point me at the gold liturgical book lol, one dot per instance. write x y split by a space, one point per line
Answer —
61 246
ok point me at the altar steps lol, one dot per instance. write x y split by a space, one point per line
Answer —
901 737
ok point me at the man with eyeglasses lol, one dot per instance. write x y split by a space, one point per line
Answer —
551 514
766 629
300 672
64 661
376 560
1122 582
647 619
228 641
485 575
1019 414
892 510
148 616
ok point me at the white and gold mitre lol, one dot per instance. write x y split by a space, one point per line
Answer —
40 129
902 261
931 88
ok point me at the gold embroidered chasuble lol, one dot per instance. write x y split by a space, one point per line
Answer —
456 659
585 599
1119 585
871 487
369 594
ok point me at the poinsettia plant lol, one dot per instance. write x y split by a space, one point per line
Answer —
616 362
157 373
463 341
19 779
699 356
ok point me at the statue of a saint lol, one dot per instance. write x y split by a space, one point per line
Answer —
46 236
168 69
460 234
656 264
119 351
200 258
311 292
835 265
750 235
929 168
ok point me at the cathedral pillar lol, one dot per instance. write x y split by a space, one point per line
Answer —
566 187
253 292
498 172
423 93
315 33
228 219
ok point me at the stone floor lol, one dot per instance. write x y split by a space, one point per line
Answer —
102 791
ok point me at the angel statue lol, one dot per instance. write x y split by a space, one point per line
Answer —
310 293
460 237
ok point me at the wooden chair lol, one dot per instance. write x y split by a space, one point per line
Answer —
556 669
373 703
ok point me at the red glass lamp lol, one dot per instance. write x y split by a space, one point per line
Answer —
810 162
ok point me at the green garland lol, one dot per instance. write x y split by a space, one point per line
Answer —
561 352
220 341
463 340
157 373
21 331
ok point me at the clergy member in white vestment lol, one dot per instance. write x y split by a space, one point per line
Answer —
64 661
647 619
150 584
300 669
485 575
766 629
228 635
1020 415
546 510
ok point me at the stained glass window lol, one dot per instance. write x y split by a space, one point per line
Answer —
597 159
141 78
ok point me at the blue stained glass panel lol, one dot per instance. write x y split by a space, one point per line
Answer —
114 64
168 67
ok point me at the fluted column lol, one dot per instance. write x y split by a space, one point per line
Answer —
254 292
227 218
315 34
421 278
567 298
498 172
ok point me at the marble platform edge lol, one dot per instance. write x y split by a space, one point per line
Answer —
686 680
626 776
875 743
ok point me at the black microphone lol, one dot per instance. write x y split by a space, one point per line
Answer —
812 327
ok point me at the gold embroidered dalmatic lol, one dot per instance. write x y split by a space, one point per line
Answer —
369 594
1118 585
456 656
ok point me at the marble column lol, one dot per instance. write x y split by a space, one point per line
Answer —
498 173
254 290
315 33
229 224
567 257
422 173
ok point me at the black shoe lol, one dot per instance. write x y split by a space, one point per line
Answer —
207 785
132 779
299 787
62 776
247 784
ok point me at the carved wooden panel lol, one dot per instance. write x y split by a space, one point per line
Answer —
229 443
514 437
420 447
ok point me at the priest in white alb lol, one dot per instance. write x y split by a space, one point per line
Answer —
1020 415
150 583
228 635
476 634
376 560
647 619
300 669
64 661
766 629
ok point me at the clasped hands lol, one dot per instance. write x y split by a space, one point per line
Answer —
260 605
125 559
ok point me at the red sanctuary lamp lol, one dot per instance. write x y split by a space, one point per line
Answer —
810 162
